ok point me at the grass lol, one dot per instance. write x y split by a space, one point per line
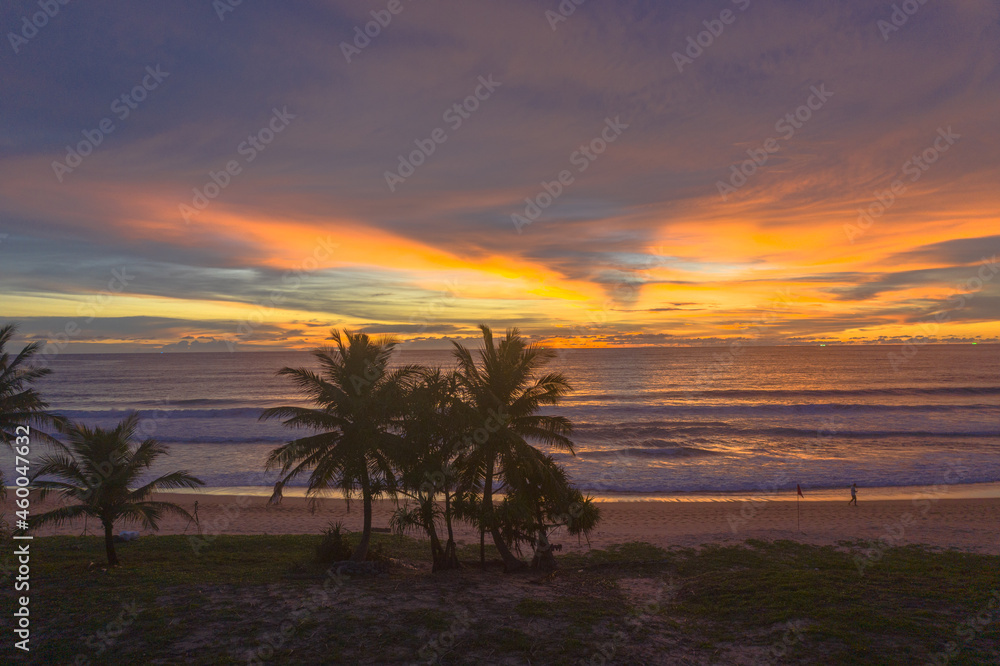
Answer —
780 602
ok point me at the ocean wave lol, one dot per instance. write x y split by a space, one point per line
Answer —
587 414
790 393
199 439
167 413
583 416
653 452
664 429
753 486
864 434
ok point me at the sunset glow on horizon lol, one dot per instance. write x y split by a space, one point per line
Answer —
822 183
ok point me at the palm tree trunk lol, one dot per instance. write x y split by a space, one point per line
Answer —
366 532
544 558
427 516
437 552
510 562
109 544
450 552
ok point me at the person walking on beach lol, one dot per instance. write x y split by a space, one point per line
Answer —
854 494
276 495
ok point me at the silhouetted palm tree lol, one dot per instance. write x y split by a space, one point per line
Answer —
505 395
20 405
360 403
98 469
433 435
539 500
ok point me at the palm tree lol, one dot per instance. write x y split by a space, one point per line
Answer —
539 500
433 435
97 469
505 395
20 405
360 403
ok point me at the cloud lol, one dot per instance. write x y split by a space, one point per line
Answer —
640 240
958 251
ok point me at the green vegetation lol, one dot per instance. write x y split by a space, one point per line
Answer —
503 393
20 404
420 433
779 602
359 402
428 463
409 432
99 470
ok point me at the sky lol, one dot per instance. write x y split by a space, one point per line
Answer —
200 175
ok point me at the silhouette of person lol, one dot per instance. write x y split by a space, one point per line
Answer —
276 495
854 494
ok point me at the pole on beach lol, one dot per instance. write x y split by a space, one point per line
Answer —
193 519
798 522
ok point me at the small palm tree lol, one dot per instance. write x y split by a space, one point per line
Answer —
360 404
97 469
20 404
540 500
505 394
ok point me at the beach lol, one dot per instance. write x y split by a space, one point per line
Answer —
968 524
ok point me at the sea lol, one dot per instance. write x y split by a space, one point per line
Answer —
666 423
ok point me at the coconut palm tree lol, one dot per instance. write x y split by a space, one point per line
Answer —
360 402
99 469
505 394
433 435
20 404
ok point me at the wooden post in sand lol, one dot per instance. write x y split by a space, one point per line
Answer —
193 519
798 494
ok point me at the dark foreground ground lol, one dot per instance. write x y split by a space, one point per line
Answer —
256 599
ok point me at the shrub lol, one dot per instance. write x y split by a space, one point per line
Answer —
334 546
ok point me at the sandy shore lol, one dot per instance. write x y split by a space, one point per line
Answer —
968 524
